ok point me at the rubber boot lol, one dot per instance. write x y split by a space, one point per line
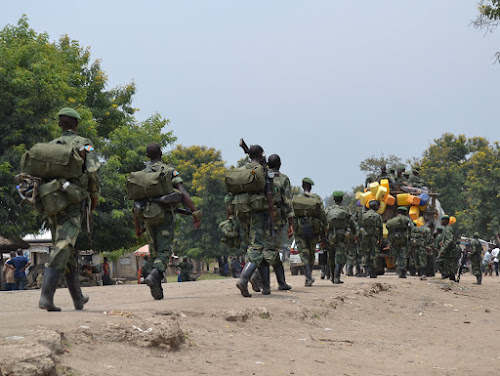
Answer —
153 280
264 276
366 271
358 271
423 272
245 276
331 268
49 286
479 279
280 277
372 273
402 273
73 285
349 270
328 272
308 273
452 278
255 281
336 275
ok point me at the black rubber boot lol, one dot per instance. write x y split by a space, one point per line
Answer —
331 268
255 281
280 277
153 280
245 276
328 272
73 285
479 279
49 286
264 276
366 271
308 273
359 272
372 272
452 278
402 273
349 271
336 274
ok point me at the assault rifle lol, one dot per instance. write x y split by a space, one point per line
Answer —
461 264
269 188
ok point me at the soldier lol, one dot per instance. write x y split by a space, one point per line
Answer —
254 227
340 228
309 225
400 228
399 179
385 175
352 263
438 236
415 180
371 237
283 210
475 258
66 224
421 238
160 231
447 248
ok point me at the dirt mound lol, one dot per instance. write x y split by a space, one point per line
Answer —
374 289
245 314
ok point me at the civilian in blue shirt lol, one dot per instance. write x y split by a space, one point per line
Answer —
20 263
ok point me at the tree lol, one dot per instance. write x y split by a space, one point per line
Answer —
488 18
373 165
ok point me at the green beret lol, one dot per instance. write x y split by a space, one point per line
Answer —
308 180
445 217
338 194
403 208
68 111
476 234
407 173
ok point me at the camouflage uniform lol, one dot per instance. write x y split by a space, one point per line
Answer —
399 239
160 234
447 255
475 258
371 234
66 225
283 209
421 238
307 246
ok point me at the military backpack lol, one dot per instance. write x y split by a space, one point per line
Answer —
369 222
148 184
246 179
231 230
307 206
337 218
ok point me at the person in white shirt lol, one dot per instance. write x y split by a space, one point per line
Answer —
487 263
494 255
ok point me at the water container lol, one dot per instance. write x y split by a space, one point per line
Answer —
402 199
364 197
382 207
381 193
413 200
424 199
385 232
389 200
420 221
422 208
374 187
359 204
358 195
453 220
385 183
414 213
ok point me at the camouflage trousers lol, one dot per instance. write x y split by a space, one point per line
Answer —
399 250
447 262
475 262
337 251
352 255
65 228
160 238
307 248
257 237
412 257
272 247
369 251
421 257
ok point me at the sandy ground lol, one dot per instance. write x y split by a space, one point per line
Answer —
384 326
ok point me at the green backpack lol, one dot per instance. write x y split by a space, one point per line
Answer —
49 161
148 184
337 218
397 224
231 231
307 206
369 222
245 180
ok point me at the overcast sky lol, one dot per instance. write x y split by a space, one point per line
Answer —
324 84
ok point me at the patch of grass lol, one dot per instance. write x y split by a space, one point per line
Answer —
207 277
265 315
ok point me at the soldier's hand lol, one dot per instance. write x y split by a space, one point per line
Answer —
290 231
197 219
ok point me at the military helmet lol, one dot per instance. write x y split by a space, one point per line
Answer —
374 205
476 234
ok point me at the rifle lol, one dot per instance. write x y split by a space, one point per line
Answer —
171 198
269 188
461 264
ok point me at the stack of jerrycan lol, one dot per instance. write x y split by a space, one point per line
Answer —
380 191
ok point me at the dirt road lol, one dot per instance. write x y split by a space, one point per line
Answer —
386 326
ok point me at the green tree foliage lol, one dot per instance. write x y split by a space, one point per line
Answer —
372 165
488 17
37 78
202 170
